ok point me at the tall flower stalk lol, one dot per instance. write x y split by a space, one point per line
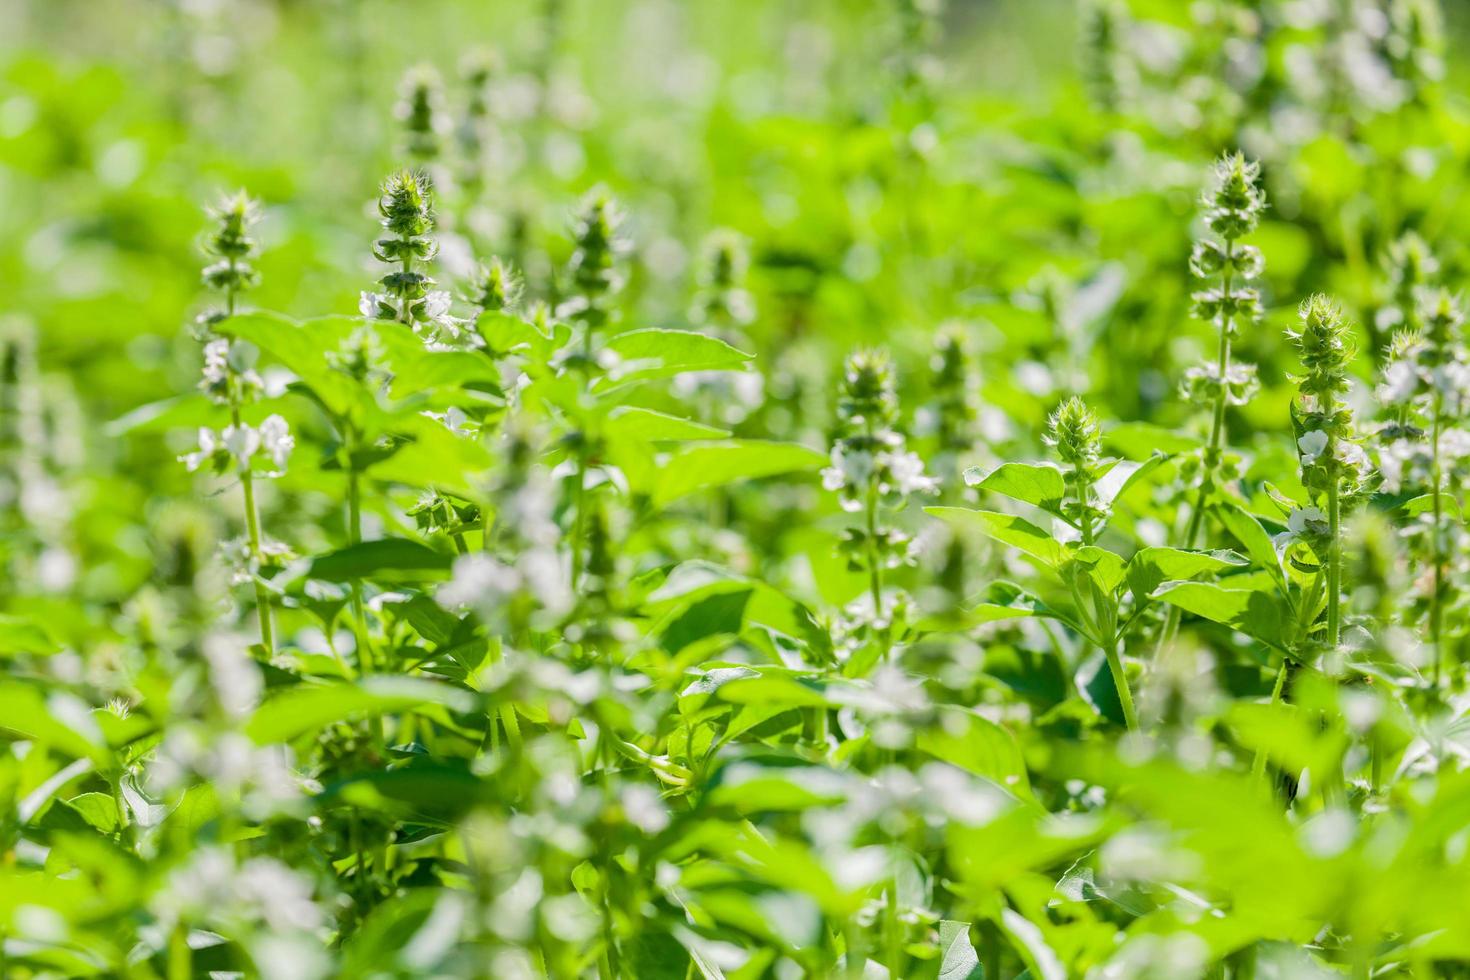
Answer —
1333 464
596 276
229 378
873 469
1073 433
1426 385
406 213
1228 299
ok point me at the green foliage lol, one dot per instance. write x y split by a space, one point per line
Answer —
789 490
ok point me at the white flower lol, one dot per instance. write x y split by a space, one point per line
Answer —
1400 382
1452 380
848 469
216 361
368 304
1300 517
480 582
436 304
275 436
1454 443
453 418
208 445
1351 454
1312 445
906 471
241 441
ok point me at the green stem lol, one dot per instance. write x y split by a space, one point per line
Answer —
1334 566
1258 766
1120 680
1211 460
252 531
354 536
180 957
875 569
1436 609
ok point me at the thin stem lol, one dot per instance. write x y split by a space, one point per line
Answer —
1258 766
1334 566
354 536
1120 681
252 515
262 595
1106 617
1436 609
875 569
1211 461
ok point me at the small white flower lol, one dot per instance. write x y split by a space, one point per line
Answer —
241 441
1312 445
1300 517
1400 382
1351 454
906 470
436 304
369 304
480 582
275 436
848 469
216 361
1454 443
208 445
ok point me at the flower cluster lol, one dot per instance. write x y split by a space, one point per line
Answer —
1228 270
421 110
231 248
871 464
1330 456
406 212
1073 433
722 299
1426 386
595 270
236 445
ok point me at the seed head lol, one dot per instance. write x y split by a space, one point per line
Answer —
594 264
495 286
1440 314
406 205
421 109
869 395
1072 430
1235 200
230 244
1324 346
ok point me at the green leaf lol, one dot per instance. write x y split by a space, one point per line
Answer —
702 465
1007 529
301 709
1040 959
631 422
97 809
385 557
1105 567
302 348
977 745
1038 484
505 333
1122 475
1255 612
1140 440
958 959
1151 567
655 353
1251 535
20 635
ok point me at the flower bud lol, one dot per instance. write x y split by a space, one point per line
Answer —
1072 430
